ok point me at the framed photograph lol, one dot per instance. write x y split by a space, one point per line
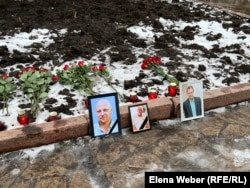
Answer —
191 100
104 115
139 118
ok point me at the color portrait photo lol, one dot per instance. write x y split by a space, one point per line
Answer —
191 100
139 118
104 115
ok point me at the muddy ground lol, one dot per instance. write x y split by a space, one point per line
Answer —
102 24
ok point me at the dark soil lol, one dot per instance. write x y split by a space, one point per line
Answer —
102 24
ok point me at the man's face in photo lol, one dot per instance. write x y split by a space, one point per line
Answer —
190 93
103 111
139 111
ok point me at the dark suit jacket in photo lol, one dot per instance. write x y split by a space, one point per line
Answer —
187 107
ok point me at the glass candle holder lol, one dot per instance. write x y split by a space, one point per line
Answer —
133 97
2 126
152 94
86 102
53 116
172 89
22 118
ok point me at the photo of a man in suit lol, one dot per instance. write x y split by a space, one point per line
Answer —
192 106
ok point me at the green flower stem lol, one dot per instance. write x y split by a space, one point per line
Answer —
109 83
6 88
35 84
5 103
89 91
35 108
161 72
172 80
119 95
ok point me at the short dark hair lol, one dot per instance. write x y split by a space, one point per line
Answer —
190 87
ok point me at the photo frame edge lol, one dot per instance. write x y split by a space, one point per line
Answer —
91 122
181 99
131 119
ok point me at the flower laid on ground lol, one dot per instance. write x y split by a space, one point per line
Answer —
78 76
7 86
103 72
55 78
35 84
153 63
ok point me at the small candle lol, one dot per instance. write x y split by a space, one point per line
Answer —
22 118
133 97
2 126
172 89
53 116
86 102
152 94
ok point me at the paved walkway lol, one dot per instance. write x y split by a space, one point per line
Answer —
217 142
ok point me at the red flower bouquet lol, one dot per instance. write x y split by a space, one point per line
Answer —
153 63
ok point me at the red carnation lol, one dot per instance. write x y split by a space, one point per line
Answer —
153 63
80 63
102 67
66 67
43 69
94 68
4 76
33 69
55 78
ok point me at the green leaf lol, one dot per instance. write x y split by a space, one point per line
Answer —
30 95
2 81
36 86
30 90
1 89
43 95
43 89
36 74
9 79
40 82
23 76
10 87
29 85
31 79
